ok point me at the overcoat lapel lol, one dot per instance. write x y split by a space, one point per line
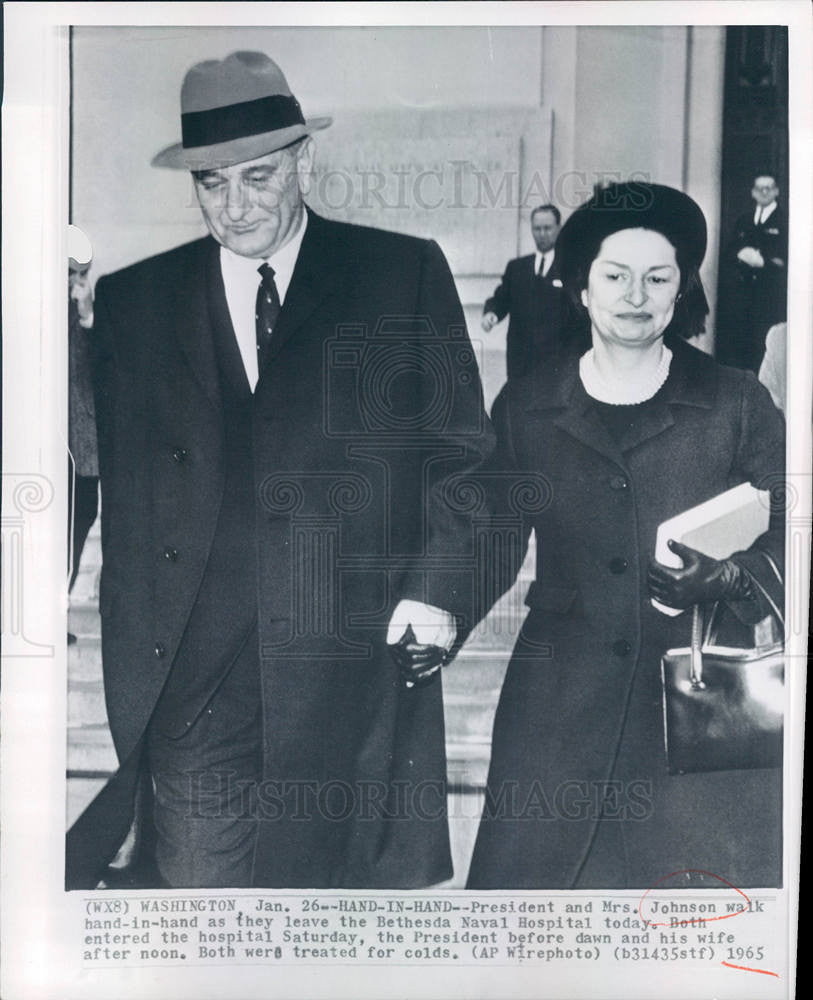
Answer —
582 422
318 272
561 389
192 322
693 384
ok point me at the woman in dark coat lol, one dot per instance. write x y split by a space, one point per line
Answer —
639 429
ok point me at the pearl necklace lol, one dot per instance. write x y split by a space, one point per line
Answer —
621 391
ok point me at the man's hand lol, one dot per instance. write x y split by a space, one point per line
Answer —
419 639
489 321
751 257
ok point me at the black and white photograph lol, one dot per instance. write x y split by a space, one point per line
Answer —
423 466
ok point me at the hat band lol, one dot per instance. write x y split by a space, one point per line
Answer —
235 121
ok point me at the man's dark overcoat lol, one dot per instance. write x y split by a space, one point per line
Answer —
535 305
580 710
370 397
752 299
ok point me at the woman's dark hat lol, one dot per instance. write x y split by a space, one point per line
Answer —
630 205
233 110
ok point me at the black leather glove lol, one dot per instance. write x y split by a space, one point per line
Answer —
701 578
417 662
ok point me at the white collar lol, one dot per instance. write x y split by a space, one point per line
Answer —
283 261
539 257
618 392
764 212
241 279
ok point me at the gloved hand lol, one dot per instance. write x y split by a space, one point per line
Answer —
701 578
418 662
419 639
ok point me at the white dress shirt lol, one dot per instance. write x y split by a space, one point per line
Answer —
241 279
542 262
763 212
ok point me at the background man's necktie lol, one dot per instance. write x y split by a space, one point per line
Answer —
266 313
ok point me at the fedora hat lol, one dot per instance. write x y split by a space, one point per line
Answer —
233 110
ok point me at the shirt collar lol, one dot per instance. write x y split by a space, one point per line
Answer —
538 257
283 261
762 213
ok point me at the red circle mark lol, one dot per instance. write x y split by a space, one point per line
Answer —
690 920
746 968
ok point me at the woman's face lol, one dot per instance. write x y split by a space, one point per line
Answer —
632 287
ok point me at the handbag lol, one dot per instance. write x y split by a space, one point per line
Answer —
723 708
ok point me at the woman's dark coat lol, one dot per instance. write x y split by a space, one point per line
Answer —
581 704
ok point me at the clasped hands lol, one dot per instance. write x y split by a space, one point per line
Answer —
420 638
751 256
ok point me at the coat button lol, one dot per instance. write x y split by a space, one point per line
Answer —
179 455
170 554
159 650
621 647
618 565
618 483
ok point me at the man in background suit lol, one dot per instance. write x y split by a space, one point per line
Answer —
755 278
279 404
531 292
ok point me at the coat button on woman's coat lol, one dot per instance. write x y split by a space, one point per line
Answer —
618 483
179 455
159 650
621 647
170 554
618 565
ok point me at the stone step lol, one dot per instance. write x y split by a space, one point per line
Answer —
84 620
85 659
465 772
80 793
90 749
469 720
86 704
86 585
477 676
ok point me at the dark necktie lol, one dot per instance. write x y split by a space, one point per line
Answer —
266 312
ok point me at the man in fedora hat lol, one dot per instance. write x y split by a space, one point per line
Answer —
279 406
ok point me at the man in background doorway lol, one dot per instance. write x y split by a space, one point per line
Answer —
531 293
754 296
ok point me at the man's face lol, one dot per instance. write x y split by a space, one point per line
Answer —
254 208
545 229
764 190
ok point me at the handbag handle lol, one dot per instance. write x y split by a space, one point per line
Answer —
699 640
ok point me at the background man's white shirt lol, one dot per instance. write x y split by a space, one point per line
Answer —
543 261
763 212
